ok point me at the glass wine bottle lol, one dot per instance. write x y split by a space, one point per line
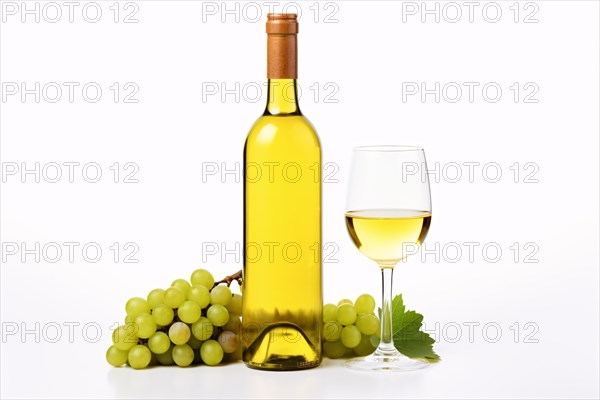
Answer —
282 308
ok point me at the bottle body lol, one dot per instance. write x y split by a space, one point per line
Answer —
282 309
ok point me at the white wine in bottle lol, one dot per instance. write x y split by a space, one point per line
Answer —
282 307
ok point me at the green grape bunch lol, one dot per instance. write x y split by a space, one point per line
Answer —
350 328
190 322
199 322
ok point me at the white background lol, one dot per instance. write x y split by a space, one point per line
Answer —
365 58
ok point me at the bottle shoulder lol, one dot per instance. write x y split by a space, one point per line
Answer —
295 128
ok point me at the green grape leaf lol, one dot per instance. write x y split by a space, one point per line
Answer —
407 334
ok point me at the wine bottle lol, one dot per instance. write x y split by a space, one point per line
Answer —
282 308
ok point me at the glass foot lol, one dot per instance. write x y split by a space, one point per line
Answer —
385 362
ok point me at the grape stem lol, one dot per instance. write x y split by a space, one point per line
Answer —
230 278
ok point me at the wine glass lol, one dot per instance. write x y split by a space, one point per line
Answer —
388 209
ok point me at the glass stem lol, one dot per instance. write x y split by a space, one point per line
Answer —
386 345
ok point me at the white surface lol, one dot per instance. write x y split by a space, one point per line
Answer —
170 213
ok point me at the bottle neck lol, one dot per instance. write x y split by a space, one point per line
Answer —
282 66
282 97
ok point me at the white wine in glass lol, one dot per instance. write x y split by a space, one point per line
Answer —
378 232
388 211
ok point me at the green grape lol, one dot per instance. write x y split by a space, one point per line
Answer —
125 337
183 355
365 303
220 295
153 359
235 305
155 297
237 354
332 331
211 352
234 324
163 315
344 301
346 314
350 336
174 297
365 347
368 324
197 357
193 342
334 349
129 319
202 277
183 285
330 312
146 325
166 358
202 329
139 357
228 341
116 357
375 340
159 343
179 333
217 315
189 312
377 334
200 295
136 306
